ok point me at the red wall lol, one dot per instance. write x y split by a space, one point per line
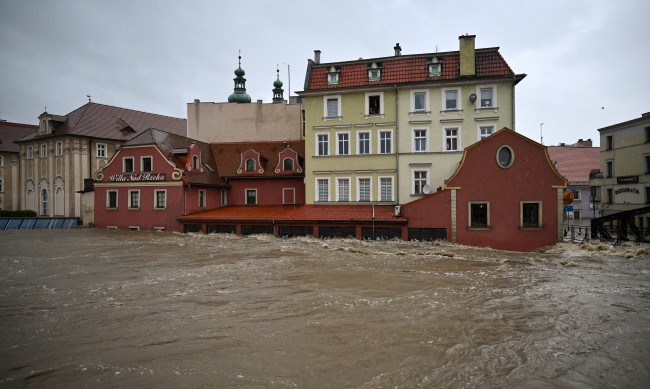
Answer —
269 191
432 211
530 178
179 197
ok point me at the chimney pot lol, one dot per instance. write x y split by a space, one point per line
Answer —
317 56
398 50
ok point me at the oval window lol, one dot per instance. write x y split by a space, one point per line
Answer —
505 156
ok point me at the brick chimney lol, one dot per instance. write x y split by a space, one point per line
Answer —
317 56
467 55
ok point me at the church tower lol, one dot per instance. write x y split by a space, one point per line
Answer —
278 92
239 95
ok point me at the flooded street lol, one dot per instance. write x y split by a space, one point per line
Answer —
102 308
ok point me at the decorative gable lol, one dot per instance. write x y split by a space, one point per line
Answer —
193 162
251 163
288 162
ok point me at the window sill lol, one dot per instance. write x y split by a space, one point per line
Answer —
133 209
420 113
539 228
326 118
488 228
458 111
374 115
111 209
160 209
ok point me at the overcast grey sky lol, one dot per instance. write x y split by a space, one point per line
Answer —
158 55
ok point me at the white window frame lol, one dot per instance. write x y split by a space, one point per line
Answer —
381 104
359 142
379 141
338 189
58 149
196 162
479 99
338 109
202 198
413 180
108 198
479 131
224 197
124 164
155 198
359 179
43 153
338 143
469 215
246 191
539 214
380 191
317 191
288 160
136 191
577 194
459 99
101 150
426 101
318 142
252 164
29 152
445 137
414 143
142 163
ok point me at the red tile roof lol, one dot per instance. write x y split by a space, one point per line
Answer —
108 122
575 163
312 213
10 132
406 69
228 156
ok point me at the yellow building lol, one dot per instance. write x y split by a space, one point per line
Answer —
388 130
623 182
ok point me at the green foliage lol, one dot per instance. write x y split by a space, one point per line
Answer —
24 213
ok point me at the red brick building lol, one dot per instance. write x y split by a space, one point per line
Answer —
506 194
154 178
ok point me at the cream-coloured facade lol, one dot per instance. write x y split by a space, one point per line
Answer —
623 182
243 122
389 130
10 162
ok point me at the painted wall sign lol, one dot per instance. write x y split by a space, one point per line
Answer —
626 190
144 177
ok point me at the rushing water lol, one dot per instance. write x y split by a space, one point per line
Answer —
103 308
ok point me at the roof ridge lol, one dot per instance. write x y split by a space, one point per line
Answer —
129 109
407 56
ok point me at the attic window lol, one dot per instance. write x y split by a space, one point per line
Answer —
333 75
435 67
195 162
288 164
374 71
250 165
127 128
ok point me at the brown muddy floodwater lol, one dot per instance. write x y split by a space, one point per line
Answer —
97 308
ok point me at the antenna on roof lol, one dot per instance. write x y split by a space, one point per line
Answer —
88 95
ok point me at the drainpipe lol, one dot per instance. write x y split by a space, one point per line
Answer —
513 102
397 143
185 200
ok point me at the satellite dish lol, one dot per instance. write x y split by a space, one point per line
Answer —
472 97
426 189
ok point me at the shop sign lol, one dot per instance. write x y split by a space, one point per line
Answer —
626 190
627 180
144 177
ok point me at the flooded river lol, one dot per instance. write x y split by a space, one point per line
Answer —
96 308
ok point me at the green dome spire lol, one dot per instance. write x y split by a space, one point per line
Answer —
278 92
239 95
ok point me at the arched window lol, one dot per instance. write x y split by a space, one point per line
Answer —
250 165
195 162
288 164
59 197
44 207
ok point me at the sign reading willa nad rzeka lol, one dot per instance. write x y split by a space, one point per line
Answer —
144 177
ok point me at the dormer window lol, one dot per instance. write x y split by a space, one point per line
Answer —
250 165
288 164
435 67
333 75
195 162
374 71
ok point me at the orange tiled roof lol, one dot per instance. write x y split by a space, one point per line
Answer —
228 156
406 69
